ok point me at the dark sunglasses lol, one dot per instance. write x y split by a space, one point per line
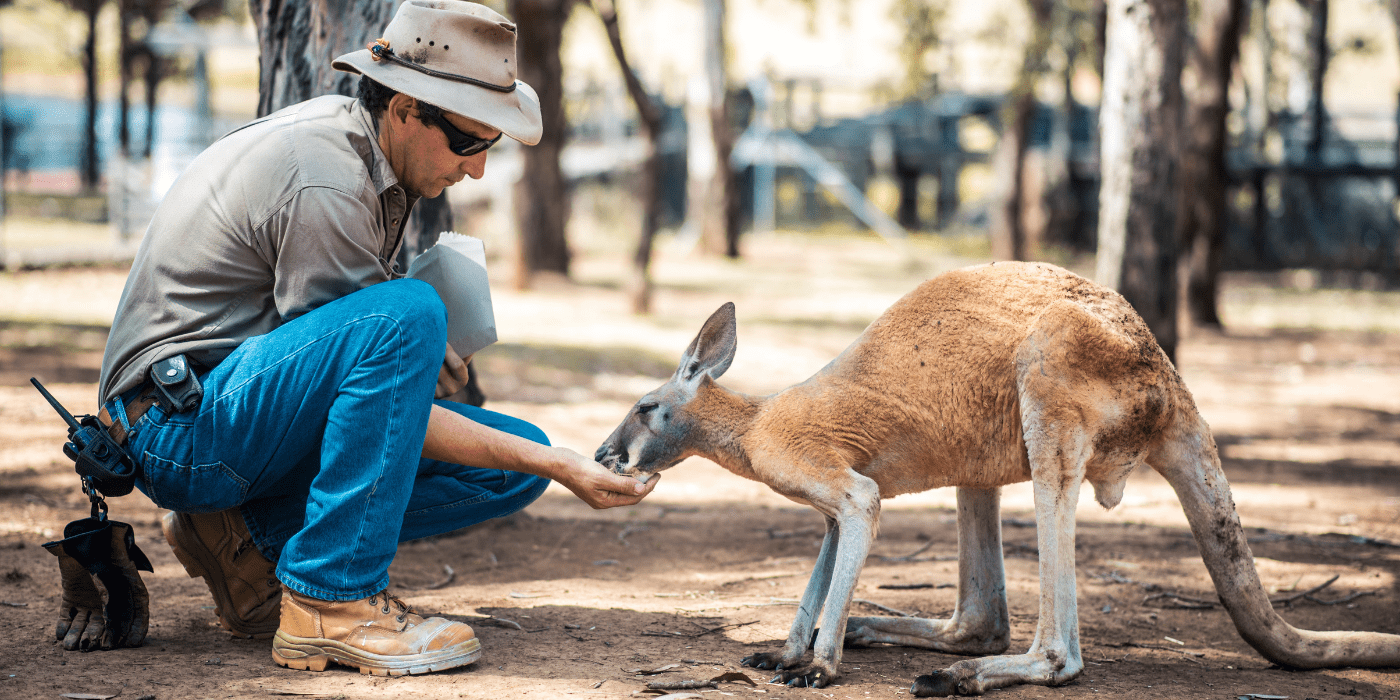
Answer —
460 142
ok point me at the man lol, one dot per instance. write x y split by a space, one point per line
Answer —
317 445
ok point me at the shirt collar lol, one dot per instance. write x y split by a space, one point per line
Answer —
380 173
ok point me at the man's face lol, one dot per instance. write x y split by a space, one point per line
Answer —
421 158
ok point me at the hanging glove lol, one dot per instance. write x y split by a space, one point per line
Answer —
105 550
81 623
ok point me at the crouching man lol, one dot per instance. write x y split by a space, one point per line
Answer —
298 440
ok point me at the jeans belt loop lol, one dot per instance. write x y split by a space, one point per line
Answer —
135 407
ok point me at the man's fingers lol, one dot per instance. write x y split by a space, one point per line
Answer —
456 364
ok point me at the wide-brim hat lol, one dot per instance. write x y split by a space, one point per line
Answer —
457 55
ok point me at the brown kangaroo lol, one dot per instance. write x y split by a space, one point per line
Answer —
979 378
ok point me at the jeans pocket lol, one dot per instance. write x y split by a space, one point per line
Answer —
197 488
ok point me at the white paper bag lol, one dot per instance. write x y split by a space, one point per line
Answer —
456 267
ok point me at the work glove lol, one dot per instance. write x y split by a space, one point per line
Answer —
104 550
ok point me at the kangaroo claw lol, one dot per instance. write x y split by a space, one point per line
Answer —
804 678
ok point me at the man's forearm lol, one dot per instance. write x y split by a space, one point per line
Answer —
456 439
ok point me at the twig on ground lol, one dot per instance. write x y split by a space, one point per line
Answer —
776 534
629 529
885 608
1344 599
1288 599
451 575
502 622
904 586
725 627
910 556
14 605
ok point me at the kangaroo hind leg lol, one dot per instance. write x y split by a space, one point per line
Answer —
1061 413
981 623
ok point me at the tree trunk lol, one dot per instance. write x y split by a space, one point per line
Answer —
542 196
1203 178
155 71
90 168
125 55
1008 225
719 215
1140 122
1321 56
649 113
297 40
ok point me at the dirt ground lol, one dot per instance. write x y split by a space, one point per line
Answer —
708 569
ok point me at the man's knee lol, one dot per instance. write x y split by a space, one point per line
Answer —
414 303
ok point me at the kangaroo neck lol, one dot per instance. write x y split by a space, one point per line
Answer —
726 416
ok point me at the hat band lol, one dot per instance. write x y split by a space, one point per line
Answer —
381 51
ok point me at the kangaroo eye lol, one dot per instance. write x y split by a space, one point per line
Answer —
645 408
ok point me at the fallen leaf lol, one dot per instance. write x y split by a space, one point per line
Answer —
733 677
519 594
88 696
679 696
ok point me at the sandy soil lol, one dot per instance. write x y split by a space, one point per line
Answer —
706 570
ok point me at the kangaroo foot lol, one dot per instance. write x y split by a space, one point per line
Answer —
766 660
939 684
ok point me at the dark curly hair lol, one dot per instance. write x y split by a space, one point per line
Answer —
374 97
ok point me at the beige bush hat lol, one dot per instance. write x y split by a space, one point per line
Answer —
457 55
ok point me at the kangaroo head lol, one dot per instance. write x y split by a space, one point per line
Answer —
661 429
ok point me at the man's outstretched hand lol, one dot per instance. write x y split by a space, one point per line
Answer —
600 488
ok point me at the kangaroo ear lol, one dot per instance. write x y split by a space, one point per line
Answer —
713 348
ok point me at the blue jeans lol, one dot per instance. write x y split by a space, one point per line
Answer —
316 430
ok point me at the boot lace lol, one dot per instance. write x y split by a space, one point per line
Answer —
388 599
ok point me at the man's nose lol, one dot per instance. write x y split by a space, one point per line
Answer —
475 166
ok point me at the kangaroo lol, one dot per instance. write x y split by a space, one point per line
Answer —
981 377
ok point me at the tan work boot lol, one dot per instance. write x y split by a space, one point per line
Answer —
217 546
379 634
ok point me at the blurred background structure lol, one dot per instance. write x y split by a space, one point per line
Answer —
1214 135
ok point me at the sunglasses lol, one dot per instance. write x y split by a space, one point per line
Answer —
460 142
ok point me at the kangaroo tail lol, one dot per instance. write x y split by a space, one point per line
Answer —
1189 461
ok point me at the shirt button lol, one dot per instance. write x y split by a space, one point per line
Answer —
396 222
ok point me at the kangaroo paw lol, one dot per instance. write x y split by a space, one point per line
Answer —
764 660
939 684
806 677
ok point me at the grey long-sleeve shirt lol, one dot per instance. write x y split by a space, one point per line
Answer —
273 220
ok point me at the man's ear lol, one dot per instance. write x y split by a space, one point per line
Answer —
401 107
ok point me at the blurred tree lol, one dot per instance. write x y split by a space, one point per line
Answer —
1317 68
542 196
1203 177
923 37
89 166
918 46
1008 230
718 205
134 21
1139 127
297 40
649 113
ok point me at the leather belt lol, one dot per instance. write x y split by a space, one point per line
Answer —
137 407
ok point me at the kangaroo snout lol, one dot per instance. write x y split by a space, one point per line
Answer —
616 460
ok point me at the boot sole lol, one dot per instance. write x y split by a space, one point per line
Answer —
315 654
196 566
